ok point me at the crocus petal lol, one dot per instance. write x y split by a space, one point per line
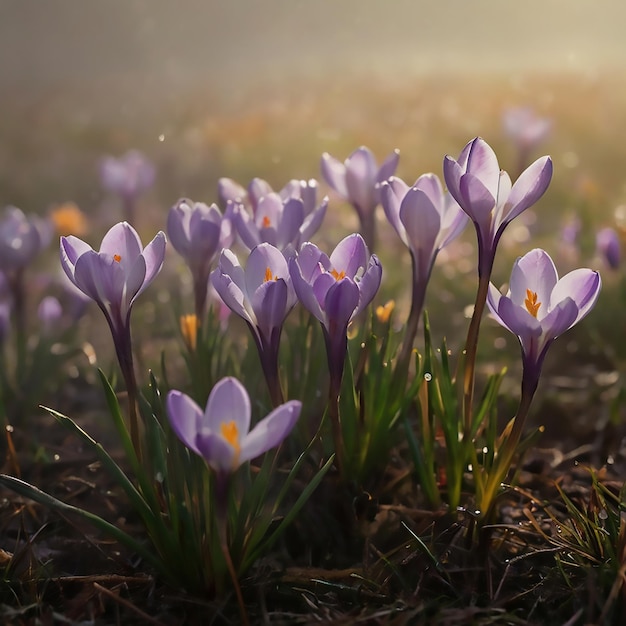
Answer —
269 303
185 418
310 258
392 192
228 402
518 320
257 190
304 290
421 221
582 286
262 258
559 319
122 240
216 451
246 228
100 277
270 431
350 255
535 271
313 220
290 221
334 173
361 171
477 200
71 248
340 304
388 167
153 254
229 190
483 164
369 283
529 187
231 294
452 173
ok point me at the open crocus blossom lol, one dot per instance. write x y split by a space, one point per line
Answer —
357 180
539 306
128 176
195 231
426 220
221 433
334 289
486 194
283 219
116 274
263 296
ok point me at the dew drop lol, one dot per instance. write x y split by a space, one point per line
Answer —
603 514
9 428
428 377
161 137
56 457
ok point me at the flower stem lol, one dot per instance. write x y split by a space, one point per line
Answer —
471 348
222 483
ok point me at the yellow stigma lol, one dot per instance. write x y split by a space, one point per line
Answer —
230 432
265 222
532 306
189 330
338 275
117 258
383 313
268 275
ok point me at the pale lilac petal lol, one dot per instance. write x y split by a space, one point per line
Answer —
257 190
582 286
482 162
231 294
100 277
392 193
269 303
334 173
452 173
135 283
290 221
310 258
453 223
369 283
153 254
477 200
304 290
518 320
230 190
262 258
122 240
185 418
529 187
246 228
72 247
350 255
388 167
313 220
421 221
178 229
431 186
270 431
534 271
493 302
361 171
228 402
562 317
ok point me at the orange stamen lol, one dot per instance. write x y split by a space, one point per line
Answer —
117 258
265 222
268 275
532 306
338 275
230 432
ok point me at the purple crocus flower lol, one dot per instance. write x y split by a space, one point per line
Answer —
197 233
263 296
608 246
128 177
284 219
221 433
539 306
356 180
485 193
426 220
114 277
335 289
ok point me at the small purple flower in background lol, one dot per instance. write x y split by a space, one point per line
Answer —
539 306
486 194
128 177
114 277
21 239
197 232
608 247
284 219
221 433
263 296
49 313
356 180
526 129
426 220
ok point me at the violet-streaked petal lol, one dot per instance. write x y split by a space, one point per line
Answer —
518 320
310 258
72 247
476 200
270 431
421 221
482 163
269 303
361 171
264 257
290 221
246 228
257 190
153 254
452 173
341 302
304 290
231 294
185 418
559 319
392 193
228 402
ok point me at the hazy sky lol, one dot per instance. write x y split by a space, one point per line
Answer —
168 43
